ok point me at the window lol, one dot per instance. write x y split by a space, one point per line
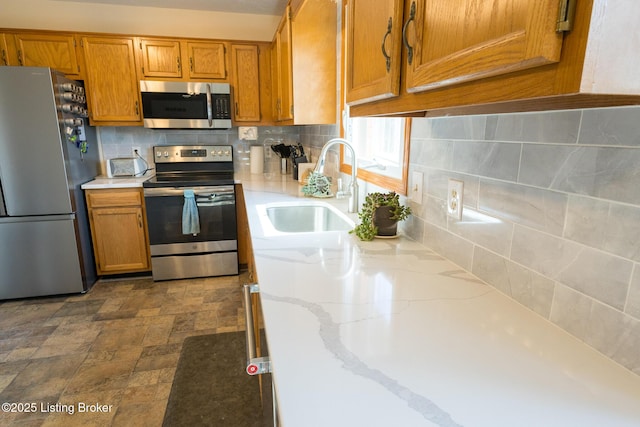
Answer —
382 148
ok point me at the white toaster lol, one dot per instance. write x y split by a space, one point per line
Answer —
125 167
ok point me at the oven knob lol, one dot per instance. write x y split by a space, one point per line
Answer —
158 153
166 154
226 153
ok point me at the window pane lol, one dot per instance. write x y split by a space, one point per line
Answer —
379 144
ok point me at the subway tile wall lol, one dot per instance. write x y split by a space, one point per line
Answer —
119 141
551 214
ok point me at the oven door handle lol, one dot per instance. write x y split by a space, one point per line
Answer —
215 200
198 191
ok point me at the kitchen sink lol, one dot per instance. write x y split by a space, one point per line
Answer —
302 217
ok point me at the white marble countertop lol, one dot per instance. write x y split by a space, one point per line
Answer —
388 333
102 182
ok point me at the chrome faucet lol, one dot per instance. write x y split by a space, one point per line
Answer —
353 186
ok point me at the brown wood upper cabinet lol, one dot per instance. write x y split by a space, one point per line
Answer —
474 56
111 81
160 58
444 42
207 60
281 70
304 64
57 51
246 82
182 59
477 39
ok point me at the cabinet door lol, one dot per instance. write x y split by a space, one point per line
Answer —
314 62
119 239
160 58
246 82
112 85
453 41
374 47
207 60
283 80
48 50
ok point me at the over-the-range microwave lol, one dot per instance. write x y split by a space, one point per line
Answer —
185 105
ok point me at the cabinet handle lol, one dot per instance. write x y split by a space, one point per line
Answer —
20 58
137 108
384 40
140 220
178 60
236 109
4 57
191 63
412 16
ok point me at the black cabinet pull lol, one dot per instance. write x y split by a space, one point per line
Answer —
384 39
412 16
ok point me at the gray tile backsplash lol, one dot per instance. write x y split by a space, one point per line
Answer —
551 214
603 172
490 159
118 141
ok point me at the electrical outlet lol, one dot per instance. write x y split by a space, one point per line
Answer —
416 187
136 151
454 198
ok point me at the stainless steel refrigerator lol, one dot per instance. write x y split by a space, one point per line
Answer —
47 150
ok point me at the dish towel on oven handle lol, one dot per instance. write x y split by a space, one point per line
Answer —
190 219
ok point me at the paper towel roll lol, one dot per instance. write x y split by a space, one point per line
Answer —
257 159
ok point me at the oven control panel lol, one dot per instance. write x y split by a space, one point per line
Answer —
193 153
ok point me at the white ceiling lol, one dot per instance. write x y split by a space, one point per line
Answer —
259 7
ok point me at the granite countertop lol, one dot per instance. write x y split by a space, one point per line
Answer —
103 182
389 333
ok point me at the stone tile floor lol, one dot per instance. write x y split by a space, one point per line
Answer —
115 347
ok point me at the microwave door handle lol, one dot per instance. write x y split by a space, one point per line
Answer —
209 107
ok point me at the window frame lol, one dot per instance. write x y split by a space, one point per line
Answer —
399 185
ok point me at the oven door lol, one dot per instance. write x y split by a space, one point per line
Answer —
211 252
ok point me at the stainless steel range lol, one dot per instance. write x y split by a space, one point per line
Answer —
191 212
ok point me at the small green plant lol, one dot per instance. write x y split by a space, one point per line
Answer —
367 230
318 185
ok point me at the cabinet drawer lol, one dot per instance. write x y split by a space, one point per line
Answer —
114 197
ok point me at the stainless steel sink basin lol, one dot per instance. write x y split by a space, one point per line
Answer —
303 217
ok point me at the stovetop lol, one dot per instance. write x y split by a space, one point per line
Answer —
188 181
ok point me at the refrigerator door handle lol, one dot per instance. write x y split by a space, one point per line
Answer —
255 365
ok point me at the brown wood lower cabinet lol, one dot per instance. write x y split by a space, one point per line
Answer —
119 231
245 250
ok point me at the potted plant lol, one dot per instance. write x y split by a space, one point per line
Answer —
379 215
317 185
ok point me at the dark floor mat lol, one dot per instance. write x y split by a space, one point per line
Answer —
211 388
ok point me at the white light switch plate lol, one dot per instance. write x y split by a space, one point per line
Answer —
249 133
